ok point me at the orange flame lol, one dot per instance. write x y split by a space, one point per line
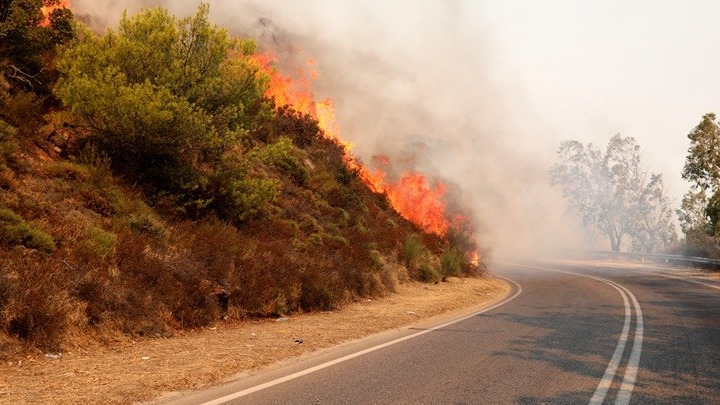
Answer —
411 195
47 10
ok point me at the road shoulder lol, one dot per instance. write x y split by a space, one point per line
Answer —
142 370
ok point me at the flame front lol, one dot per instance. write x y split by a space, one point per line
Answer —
47 10
411 195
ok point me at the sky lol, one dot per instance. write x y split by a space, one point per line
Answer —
493 86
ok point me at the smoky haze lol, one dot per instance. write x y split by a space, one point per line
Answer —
415 78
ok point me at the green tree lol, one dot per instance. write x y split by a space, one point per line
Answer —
700 212
27 42
168 99
612 193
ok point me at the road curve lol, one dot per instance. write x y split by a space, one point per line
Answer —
569 333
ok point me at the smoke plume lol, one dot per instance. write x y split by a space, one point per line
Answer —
414 79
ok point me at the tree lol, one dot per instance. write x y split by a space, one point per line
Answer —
700 210
654 225
612 194
167 99
27 42
701 205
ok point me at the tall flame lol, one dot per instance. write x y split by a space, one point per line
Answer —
47 10
411 195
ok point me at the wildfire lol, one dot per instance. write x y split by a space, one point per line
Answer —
411 194
47 10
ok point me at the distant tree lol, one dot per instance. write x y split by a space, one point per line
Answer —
612 193
654 225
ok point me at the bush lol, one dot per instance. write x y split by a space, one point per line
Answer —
8 146
376 258
100 244
280 155
451 263
15 231
427 274
35 310
411 252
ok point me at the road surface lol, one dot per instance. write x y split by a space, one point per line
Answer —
568 333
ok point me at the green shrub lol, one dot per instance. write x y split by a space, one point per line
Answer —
100 243
343 217
427 274
376 258
237 194
451 263
360 226
309 224
335 240
68 171
146 223
15 231
280 155
23 234
9 217
315 239
411 251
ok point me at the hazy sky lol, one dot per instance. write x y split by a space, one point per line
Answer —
648 69
493 86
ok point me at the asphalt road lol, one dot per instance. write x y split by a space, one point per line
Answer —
567 334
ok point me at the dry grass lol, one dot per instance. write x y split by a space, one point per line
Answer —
140 370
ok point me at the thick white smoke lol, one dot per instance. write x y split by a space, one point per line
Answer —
408 72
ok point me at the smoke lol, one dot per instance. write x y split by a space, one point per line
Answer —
409 73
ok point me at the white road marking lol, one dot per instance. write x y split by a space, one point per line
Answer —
607 378
628 382
631 370
311 370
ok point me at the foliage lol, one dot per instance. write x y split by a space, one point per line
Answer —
181 198
26 41
700 209
411 251
612 193
428 274
451 263
167 99
653 224
16 231
280 155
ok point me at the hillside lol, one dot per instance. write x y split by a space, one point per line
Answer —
151 183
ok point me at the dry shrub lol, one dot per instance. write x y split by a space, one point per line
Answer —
132 298
37 308
23 111
322 289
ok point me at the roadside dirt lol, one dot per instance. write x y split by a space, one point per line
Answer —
135 371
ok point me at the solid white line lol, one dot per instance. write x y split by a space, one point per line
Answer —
631 370
628 383
607 378
310 370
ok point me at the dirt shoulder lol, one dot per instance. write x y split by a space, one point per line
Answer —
142 370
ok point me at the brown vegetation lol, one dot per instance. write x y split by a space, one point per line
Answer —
259 221
141 369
